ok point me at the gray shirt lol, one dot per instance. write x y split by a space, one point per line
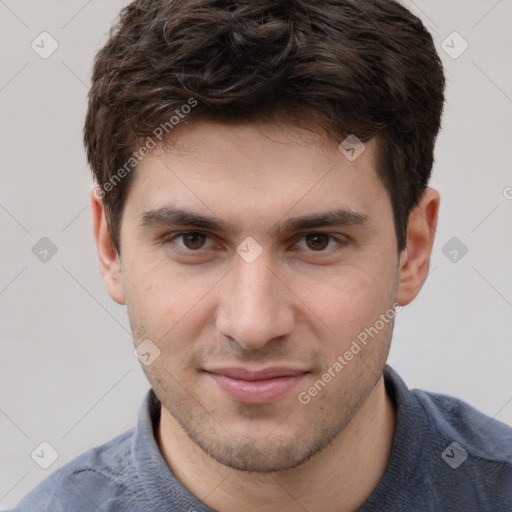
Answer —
446 456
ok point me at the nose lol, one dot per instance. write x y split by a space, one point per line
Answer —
256 305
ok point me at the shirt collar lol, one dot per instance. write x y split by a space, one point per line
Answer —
163 490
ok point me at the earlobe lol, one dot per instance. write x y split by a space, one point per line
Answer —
415 258
109 260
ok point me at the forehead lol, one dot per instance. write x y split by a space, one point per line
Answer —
262 170
272 142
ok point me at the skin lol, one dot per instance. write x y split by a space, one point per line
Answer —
299 304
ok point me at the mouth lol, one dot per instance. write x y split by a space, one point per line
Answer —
256 387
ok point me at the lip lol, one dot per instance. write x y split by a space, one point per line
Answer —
256 387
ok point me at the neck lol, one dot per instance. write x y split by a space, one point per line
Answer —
337 479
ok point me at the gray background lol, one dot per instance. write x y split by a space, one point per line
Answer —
67 372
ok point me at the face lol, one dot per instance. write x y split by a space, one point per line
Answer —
252 257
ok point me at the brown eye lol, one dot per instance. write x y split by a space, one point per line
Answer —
190 244
193 241
317 241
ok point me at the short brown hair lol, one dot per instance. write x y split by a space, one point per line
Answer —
363 67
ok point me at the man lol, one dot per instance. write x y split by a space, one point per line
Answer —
262 210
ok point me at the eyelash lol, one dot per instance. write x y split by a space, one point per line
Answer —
168 240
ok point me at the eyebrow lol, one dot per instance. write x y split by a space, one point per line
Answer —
172 216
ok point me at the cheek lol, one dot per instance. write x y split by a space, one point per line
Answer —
164 302
344 303
145 287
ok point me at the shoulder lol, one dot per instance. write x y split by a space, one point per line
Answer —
476 453
446 451
480 435
104 474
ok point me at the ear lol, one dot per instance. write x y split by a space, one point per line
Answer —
109 260
415 258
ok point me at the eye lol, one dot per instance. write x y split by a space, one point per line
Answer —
319 242
191 241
